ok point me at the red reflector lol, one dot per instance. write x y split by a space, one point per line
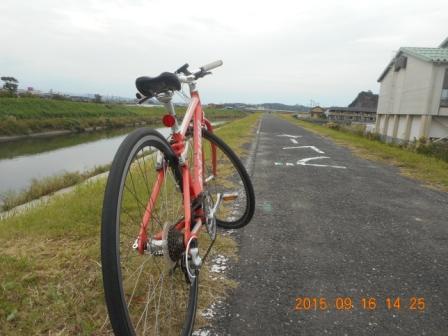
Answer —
168 120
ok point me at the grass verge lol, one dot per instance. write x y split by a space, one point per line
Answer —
20 116
49 260
47 186
432 171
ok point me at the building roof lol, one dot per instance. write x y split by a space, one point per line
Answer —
444 44
353 109
317 109
434 55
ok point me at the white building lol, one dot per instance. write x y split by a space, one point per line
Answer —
413 99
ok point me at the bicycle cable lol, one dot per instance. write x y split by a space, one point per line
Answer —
183 95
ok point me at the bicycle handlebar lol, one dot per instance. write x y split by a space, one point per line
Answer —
211 66
186 76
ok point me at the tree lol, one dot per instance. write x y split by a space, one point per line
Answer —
11 84
97 98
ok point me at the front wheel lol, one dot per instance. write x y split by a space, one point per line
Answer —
146 294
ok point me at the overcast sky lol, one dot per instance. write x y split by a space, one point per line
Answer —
273 51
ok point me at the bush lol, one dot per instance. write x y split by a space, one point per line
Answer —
333 125
438 150
356 129
5 93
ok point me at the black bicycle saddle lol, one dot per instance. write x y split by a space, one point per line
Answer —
151 86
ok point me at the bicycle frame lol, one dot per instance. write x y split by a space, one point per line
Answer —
192 186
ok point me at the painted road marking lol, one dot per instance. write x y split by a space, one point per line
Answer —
281 164
289 136
304 162
310 147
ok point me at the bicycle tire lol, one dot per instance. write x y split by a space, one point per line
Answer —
122 319
229 218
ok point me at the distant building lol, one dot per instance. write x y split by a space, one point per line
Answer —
317 112
363 115
216 106
413 100
80 98
303 115
361 110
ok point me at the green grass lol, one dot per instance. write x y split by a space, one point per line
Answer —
46 186
37 108
31 115
50 279
432 171
438 150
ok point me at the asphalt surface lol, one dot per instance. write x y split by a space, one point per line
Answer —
358 232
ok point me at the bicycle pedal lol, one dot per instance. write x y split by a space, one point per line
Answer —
229 196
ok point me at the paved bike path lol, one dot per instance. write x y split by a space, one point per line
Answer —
328 225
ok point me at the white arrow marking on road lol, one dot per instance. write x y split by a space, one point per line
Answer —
290 136
310 147
304 162
281 164
294 141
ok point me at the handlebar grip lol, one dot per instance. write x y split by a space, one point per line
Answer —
211 66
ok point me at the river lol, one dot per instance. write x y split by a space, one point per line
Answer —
25 160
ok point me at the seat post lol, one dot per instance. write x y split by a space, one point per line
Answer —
166 98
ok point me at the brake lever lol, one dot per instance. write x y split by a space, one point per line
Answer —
202 73
183 69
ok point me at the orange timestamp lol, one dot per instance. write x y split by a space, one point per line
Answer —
413 303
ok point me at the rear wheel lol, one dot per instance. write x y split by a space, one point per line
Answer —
228 178
145 294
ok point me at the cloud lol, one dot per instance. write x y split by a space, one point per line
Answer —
286 51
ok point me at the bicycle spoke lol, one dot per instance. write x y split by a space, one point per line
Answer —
144 206
150 292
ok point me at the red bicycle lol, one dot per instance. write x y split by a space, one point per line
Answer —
163 202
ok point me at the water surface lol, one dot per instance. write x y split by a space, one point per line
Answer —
25 160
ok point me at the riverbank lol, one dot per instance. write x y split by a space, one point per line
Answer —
49 259
46 186
431 171
23 117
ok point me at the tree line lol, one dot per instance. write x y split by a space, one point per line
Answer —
11 85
